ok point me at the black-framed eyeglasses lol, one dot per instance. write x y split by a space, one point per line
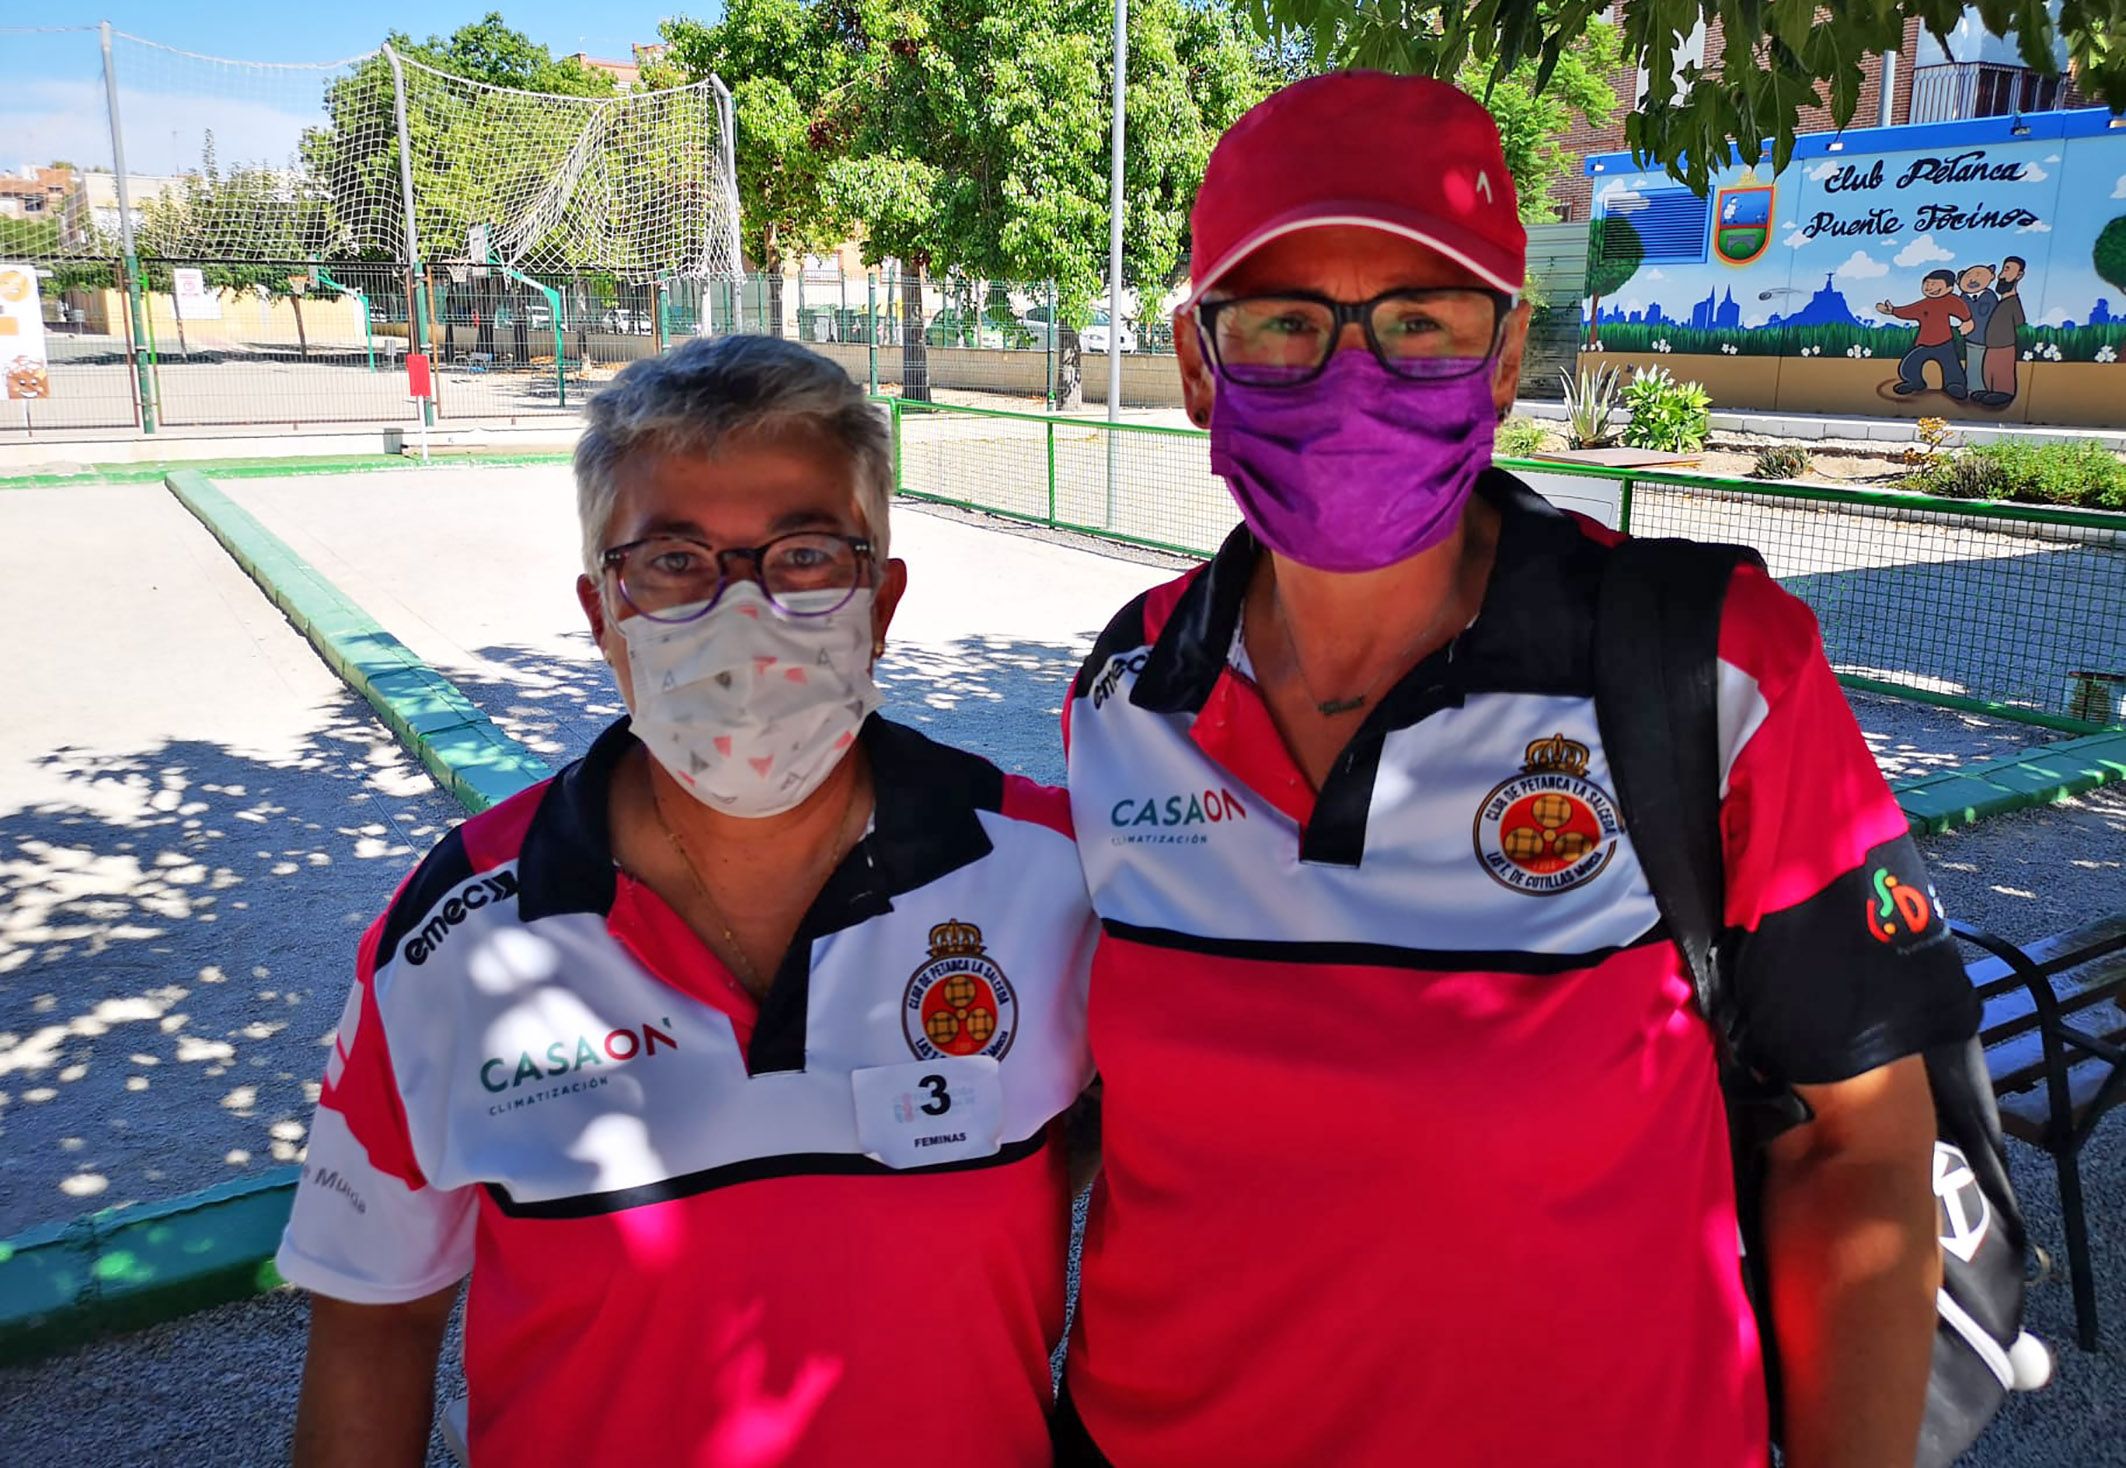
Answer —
1286 339
677 578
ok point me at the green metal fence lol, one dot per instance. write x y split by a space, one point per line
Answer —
2018 611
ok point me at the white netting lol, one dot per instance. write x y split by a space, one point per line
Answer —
639 185
238 161
256 161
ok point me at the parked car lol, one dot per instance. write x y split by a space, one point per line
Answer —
624 319
1094 337
1092 340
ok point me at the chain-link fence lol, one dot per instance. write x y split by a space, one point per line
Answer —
2016 610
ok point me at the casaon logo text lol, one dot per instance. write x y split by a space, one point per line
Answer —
424 940
616 1047
1178 810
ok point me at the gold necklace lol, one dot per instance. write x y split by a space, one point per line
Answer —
749 976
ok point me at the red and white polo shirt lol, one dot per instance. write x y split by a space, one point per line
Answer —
824 1230
1414 1148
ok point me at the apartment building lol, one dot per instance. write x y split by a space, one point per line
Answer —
34 193
1974 75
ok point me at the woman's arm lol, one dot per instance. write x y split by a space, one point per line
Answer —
369 1382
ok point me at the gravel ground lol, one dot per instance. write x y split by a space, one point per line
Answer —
219 1387
196 821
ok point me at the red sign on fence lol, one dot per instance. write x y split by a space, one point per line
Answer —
419 383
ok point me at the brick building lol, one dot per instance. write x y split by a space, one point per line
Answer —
1976 75
34 193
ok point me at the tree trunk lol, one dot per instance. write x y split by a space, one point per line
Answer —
771 263
302 336
1070 369
1594 321
915 349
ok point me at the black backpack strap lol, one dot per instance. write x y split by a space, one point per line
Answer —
1656 677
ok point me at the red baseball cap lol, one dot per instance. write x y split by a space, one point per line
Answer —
1405 154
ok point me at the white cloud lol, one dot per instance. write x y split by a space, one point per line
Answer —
1861 266
1615 198
1634 304
2036 227
1653 274
2052 157
2120 191
1796 240
1825 169
2032 174
2058 316
1922 251
1756 319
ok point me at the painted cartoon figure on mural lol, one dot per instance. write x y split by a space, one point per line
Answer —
2002 337
1944 321
1975 285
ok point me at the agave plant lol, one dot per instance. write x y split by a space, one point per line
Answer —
1590 404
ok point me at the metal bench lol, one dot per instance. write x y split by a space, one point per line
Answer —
2055 1040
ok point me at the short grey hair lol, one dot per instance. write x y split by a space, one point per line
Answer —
707 391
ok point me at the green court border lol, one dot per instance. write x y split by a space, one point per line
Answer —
118 1269
378 462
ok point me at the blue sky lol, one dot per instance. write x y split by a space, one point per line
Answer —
276 30
51 92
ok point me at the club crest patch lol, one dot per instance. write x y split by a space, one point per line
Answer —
959 1002
1550 828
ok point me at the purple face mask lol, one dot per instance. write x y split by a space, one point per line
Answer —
1357 469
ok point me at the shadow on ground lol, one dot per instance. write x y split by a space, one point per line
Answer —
178 937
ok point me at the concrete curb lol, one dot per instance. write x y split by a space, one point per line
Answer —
469 756
262 468
124 1268
2042 776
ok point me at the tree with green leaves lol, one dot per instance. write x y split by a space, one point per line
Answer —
973 137
1534 114
784 61
1780 56
1614 255
2109 253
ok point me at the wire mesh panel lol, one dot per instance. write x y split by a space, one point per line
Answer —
1142 482
1994 610
280 342
989 461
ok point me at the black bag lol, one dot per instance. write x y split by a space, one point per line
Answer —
1656 678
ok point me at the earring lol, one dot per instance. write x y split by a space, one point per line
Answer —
878 649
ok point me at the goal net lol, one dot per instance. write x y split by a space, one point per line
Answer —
240 161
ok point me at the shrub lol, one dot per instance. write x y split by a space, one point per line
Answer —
1666 415
1781 461
2079 472
1590 403
1930 435
1520 437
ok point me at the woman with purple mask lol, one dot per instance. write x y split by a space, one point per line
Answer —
1414 1147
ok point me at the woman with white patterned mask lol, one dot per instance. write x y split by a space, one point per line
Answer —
695 1055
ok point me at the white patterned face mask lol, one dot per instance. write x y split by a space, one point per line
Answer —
748 707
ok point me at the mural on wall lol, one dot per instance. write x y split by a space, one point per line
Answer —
1960 269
